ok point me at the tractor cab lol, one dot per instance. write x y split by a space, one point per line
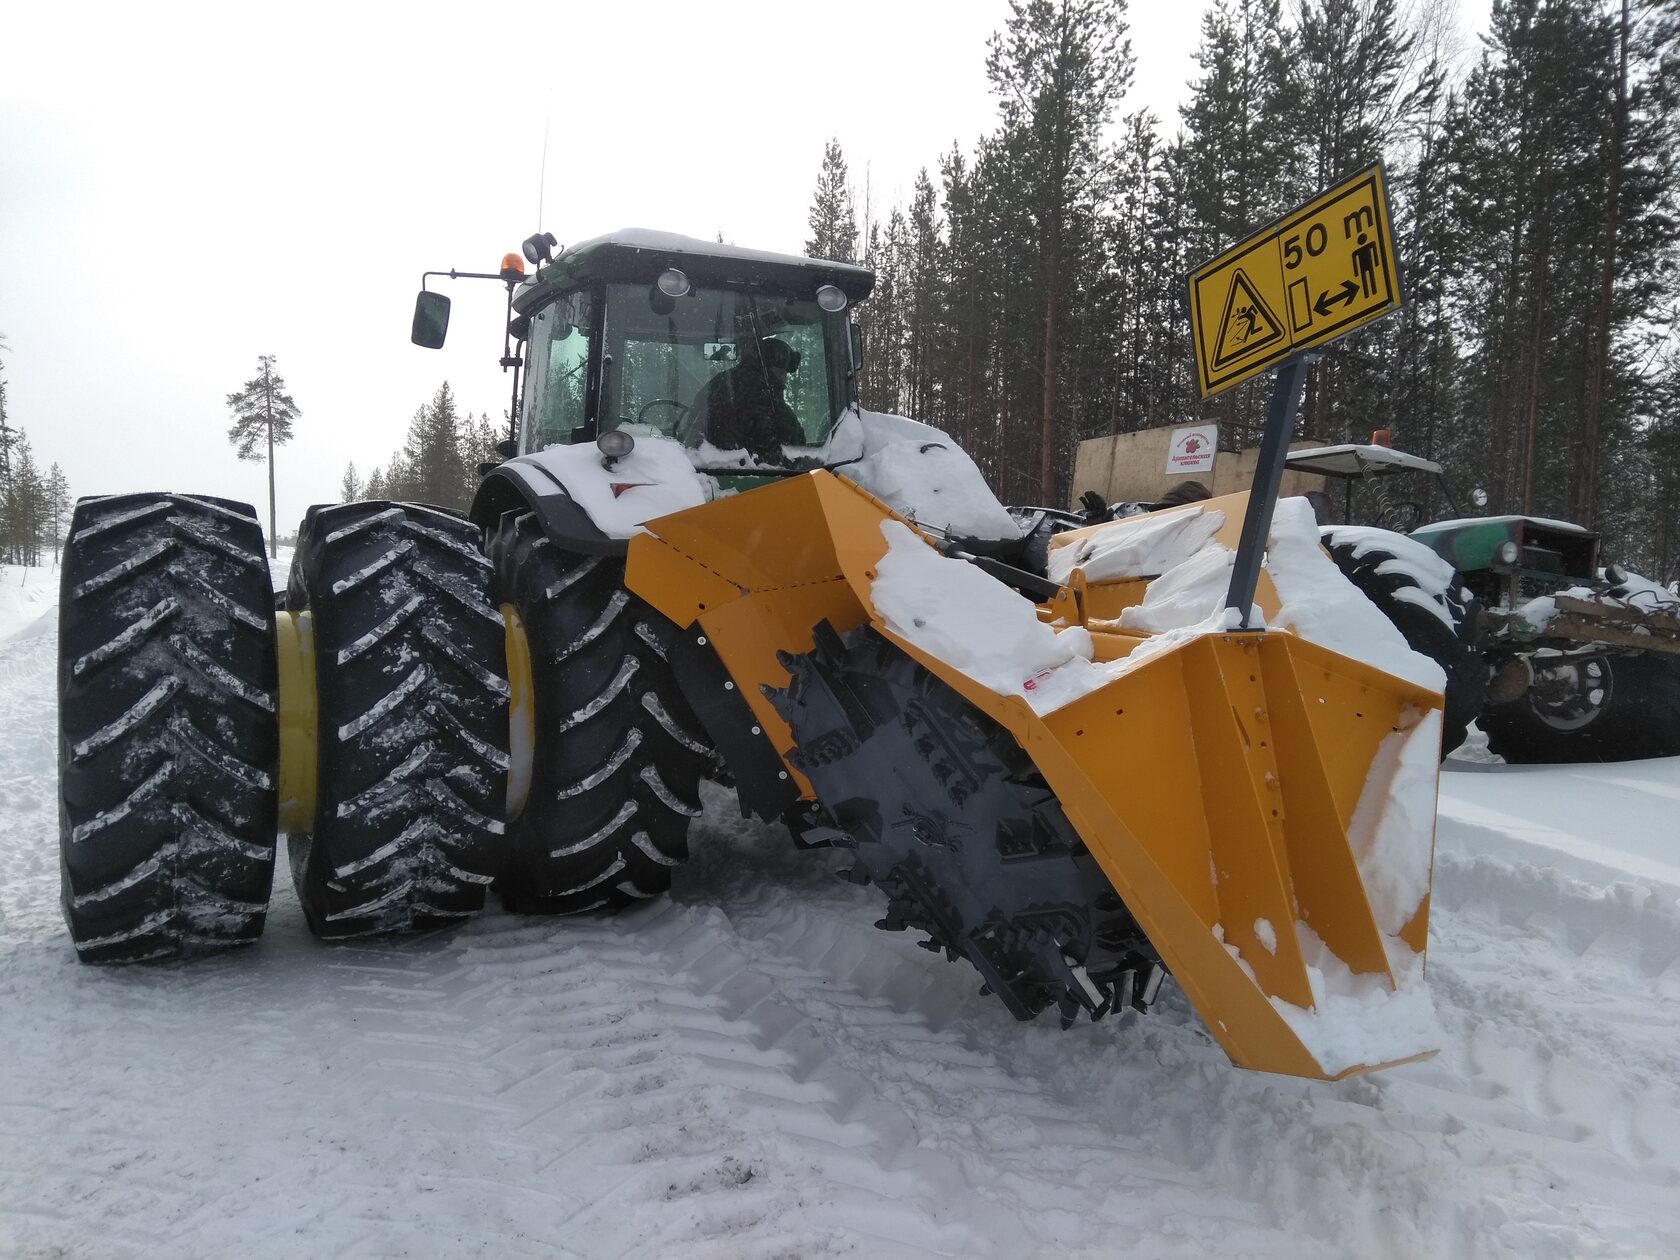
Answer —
748 358
1504 560
1381 474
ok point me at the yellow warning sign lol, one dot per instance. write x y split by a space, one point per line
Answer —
1247 326
1313 276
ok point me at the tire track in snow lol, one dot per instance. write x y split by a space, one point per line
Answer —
750 1069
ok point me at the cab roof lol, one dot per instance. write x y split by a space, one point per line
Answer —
1352 459
638 255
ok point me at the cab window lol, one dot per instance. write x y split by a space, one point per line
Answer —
557 383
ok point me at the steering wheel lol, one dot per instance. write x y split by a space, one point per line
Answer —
682 409
1402 516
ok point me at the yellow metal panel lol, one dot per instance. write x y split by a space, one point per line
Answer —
1315 275
522 711
1214 782
295 642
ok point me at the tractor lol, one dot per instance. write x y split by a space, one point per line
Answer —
701 559
1558 656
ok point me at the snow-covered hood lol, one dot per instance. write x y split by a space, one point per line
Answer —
915 469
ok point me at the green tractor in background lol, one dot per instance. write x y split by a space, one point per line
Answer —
1582 659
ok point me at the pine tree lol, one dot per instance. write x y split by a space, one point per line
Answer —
350 488
8 440
26 506
375 487
1058 68
59 506
432 453
262 413
478 446
833 220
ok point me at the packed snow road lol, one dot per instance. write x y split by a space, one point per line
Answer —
750 1069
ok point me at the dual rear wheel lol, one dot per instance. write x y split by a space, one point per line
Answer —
369 718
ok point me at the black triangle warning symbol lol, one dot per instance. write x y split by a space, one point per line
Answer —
1248 325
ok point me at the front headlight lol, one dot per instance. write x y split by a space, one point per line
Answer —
1508 552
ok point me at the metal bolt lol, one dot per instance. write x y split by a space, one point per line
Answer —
701 640
781 774
757 731
729 686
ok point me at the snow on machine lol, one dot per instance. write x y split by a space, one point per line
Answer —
700 559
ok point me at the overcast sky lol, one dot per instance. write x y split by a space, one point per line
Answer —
183 188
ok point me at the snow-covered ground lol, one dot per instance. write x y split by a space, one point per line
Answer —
750 1069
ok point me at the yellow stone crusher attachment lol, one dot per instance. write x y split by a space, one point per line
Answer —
1248 809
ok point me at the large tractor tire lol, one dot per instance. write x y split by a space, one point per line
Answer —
1609 707
1441 621
168 741
951 819
412 728
617 754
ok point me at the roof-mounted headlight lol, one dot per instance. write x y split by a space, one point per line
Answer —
831 299
673 283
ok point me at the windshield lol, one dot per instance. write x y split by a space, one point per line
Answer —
701 368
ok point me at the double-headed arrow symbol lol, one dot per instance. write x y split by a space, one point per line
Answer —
1325 301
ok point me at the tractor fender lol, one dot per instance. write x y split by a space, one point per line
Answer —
524 483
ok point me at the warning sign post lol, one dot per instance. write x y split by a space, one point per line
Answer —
1313 276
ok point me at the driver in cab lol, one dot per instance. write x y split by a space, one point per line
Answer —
743 408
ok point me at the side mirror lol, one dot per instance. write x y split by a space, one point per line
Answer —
431 320
857 348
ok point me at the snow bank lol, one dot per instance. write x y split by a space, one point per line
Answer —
28 598
653 480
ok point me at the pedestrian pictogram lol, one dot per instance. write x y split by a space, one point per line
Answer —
1247 327
1313 276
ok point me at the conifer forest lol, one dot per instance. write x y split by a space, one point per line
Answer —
1032 292
35 505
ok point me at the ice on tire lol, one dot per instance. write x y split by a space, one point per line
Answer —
412 736
168 736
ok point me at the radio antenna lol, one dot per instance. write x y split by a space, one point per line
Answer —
542 178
